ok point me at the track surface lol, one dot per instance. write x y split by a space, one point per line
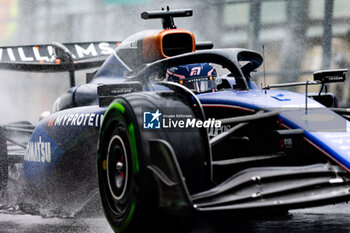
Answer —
335 218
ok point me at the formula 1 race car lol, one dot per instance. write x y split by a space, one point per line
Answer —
169 146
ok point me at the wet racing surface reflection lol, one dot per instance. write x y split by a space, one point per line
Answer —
333 218
10 223
90 218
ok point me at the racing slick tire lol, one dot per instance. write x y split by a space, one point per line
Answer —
3 164
128 189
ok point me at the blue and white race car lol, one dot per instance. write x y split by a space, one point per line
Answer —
176 130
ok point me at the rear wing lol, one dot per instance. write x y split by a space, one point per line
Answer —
321 77
56 57
330 76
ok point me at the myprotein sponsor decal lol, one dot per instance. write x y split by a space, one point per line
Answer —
38 151
77 119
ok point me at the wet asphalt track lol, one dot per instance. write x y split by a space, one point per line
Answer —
331 218
10 223
335 218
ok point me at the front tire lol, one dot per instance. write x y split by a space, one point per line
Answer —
134 203
125 184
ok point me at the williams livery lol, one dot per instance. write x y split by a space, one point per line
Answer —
177 130
45 53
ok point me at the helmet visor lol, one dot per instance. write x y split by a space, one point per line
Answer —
199 84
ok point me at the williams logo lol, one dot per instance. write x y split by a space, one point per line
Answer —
151 120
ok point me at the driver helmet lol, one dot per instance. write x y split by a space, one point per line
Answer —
198 78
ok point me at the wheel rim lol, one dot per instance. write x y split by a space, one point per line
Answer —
117 169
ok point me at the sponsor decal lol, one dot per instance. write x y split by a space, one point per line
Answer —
334 78
215 131
129 45
157 120
280 97
44 53
77 119
39 151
